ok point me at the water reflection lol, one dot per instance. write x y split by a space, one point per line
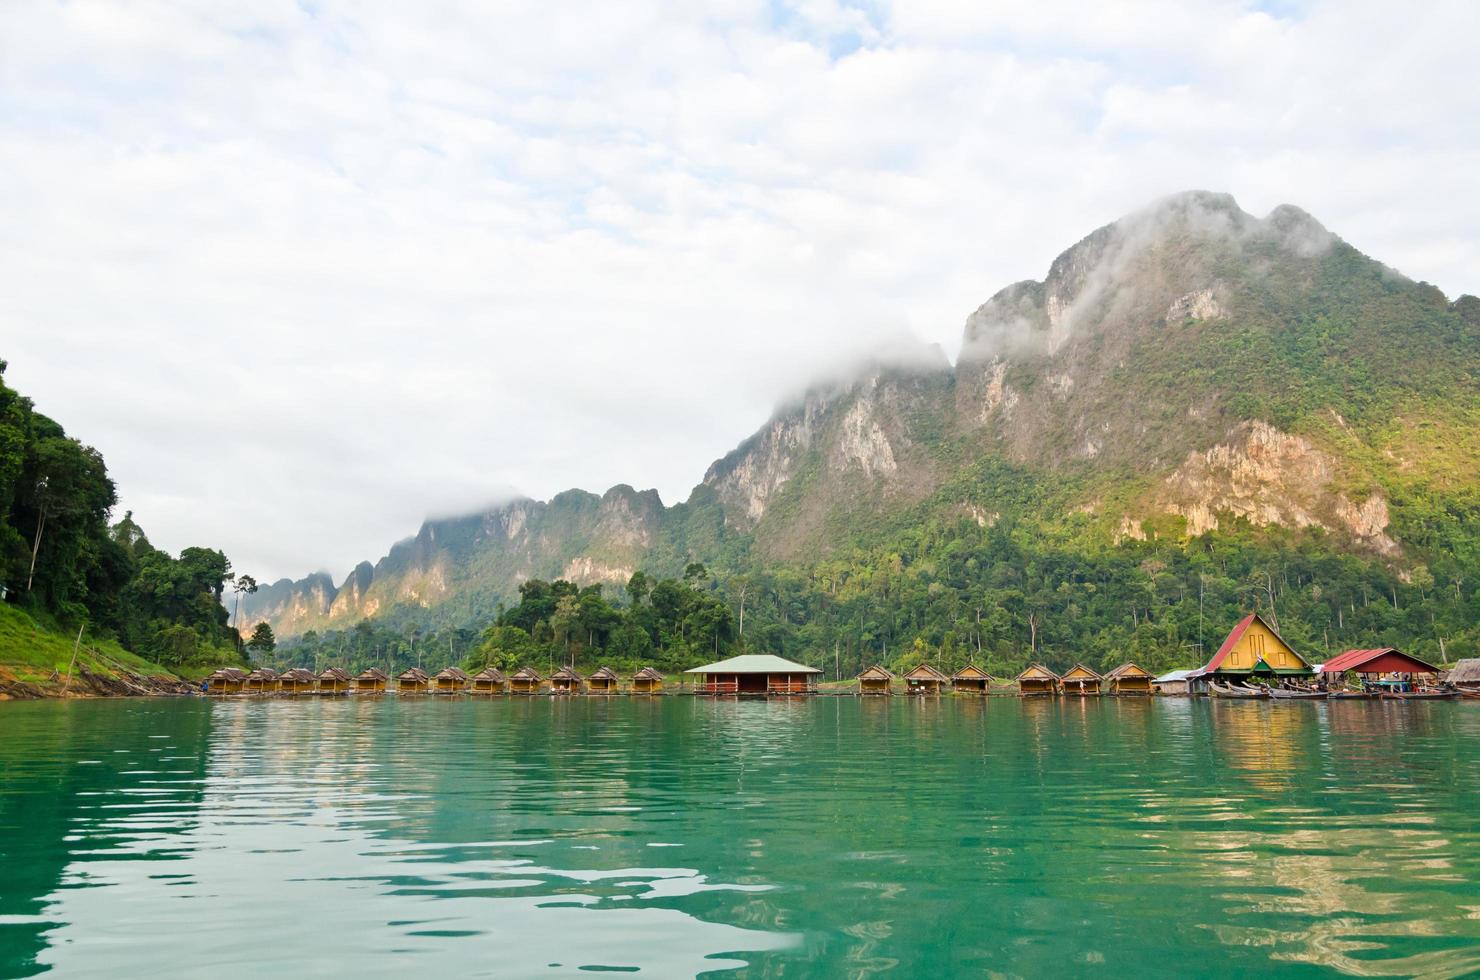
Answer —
678 836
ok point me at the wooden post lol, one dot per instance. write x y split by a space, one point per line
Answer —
75 647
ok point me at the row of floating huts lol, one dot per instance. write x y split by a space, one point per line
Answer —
1252 658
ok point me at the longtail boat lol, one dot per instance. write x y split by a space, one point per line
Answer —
1418 695
1465 692
1292 694
1351 695
1236 691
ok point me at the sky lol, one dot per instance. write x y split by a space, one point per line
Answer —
308 273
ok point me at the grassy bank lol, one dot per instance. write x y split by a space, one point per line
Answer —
34 659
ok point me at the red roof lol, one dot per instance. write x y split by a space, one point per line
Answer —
1382 660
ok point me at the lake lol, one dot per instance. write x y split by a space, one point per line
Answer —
674 836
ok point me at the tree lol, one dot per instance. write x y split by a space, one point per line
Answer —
262 640
244 583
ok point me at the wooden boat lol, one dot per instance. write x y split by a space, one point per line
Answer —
1418 695
1351 695
1293 694
1466 692
1236 691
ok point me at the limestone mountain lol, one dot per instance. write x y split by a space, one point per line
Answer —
1185 371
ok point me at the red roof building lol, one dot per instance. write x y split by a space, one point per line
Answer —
1382 660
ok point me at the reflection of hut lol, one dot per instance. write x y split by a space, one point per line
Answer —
1128 679
924 679
970 679
647 681
1252 650
332 680
1371 665
1037 679
755 673
413 680
566 681
450 680
261 680
876 680
1172 682
525 680
490 680
227 680
1080 681
371 681
1465 675
603 680
297 681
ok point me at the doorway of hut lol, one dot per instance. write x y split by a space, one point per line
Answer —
752 683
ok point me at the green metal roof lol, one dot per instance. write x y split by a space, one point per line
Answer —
754 663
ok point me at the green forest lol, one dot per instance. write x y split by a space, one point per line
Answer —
66 567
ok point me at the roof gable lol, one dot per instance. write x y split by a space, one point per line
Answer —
604 673
1382 660
1238 634
1080 672
527 674
971 672
1037 672
925 672
1128 669
875 673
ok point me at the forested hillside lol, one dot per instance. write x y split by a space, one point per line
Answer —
1195 413
66 568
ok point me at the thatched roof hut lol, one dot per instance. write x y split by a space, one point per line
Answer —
970 679
371 681
450 680
876 680
924 679
1037 679
648 680
1128 678
525 680
261 679
1465 673
1080 680
490 680
226 680
603 680
412 680
296 681
332 680
566 681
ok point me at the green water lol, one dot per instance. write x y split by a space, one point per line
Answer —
677 836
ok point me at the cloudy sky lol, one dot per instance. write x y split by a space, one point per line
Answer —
308 272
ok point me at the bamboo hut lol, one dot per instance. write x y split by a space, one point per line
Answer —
371 681
227 680
297 681
1173 682
925 680
603 680
1128 679
566 681
970 679
413 680
876 680
1465 675
490 680
332 680
450 680
1037 679
260 681
525 680
647 681
1080 681
755 673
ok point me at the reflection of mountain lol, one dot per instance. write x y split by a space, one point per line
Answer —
68 772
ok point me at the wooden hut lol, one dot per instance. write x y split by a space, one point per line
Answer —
1372 665
332 680
227 680
970 679
297 681
413 680
1253 650
1128 679
490 680
603 680
260 681
373 680
450 680
566 681
525 680
925 680
647 681
1037 680
876 680
1465 675
1080 681
755 673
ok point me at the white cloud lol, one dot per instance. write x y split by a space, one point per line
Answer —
307 272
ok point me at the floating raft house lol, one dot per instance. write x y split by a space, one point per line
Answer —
371 681
603 680
490 680
925 680
525 680
1037 679
876 680
970 679
1128 679
755 673
413 680
647 681
1080 681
